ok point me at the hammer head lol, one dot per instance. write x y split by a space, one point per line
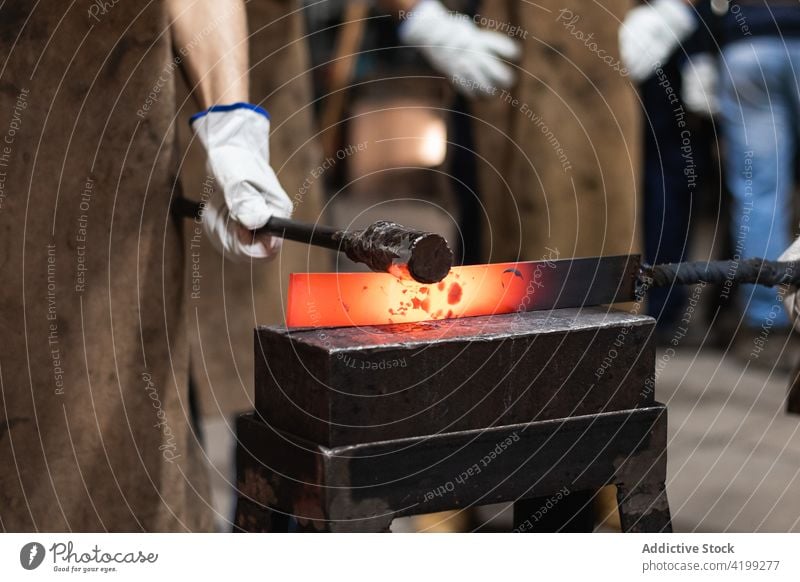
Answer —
389 247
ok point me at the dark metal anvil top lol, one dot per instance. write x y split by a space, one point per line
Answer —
350 385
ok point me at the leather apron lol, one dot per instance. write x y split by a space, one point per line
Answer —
94 428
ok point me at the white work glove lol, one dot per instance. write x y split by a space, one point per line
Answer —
454 45
236 139
229 237
700 81
651 32
790 302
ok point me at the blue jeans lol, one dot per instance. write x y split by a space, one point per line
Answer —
759 104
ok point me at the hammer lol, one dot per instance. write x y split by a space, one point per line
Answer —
384 247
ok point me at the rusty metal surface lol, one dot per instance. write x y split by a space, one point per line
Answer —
388 247
349 385
363 487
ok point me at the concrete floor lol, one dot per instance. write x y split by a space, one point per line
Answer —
734 454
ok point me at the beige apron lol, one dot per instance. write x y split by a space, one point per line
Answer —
227 300
561 149
94 430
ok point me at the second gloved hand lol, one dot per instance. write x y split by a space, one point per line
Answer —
471 57
236 140
651 32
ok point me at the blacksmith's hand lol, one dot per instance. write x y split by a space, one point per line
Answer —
472 58
700 82
248 193
651 32
790 302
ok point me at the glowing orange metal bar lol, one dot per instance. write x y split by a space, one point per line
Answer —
354 299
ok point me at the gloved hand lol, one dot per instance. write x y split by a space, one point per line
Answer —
700 81
651 32
229 237
454 45
790 302
236 139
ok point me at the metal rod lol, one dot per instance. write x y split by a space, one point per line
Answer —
754 271
313 234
